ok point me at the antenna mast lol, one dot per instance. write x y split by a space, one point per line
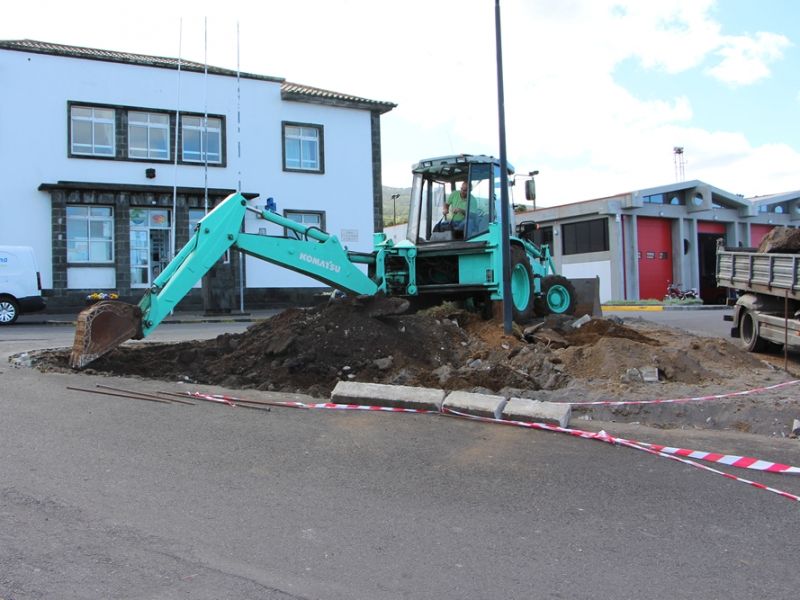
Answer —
679 161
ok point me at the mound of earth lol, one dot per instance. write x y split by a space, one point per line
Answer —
556 359
310 350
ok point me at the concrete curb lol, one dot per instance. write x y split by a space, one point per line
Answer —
479 405
391 396
660 308
468 403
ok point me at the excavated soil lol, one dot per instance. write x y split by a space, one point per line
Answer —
310 350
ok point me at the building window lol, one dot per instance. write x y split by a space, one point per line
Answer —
90 234
92 131
303 147
148 135
654 199
202 139
315 219
585 236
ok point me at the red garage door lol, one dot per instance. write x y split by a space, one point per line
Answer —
655 256
757 233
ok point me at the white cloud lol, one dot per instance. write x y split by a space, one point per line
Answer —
746 59
566 114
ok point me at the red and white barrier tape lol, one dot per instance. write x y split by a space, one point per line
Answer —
694 399
673 453
602 436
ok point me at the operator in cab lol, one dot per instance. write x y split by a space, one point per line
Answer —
457 203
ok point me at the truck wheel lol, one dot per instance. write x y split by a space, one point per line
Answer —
558 296
521 286
748 329
9 310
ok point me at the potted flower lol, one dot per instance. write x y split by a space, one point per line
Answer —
98 296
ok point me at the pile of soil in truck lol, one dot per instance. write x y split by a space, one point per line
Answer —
310 350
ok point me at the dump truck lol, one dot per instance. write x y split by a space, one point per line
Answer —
452 251
767 290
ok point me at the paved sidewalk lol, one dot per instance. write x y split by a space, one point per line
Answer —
68 318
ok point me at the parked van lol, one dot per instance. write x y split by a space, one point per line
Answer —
20 283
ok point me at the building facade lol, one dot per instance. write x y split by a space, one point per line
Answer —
111 159
639 242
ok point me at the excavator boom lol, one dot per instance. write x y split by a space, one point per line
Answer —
105 325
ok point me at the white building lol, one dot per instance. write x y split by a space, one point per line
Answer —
110 158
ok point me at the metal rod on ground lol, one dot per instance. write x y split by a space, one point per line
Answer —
119 395
228 402
108 387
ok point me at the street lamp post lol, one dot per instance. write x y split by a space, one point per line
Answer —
394 203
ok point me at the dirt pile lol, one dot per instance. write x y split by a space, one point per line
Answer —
310 350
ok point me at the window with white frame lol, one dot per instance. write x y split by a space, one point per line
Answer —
90 234
148 135
202 139
92 131
303 147
314 219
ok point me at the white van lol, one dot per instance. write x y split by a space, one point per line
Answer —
20 283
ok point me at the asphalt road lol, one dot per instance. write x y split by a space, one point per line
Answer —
104 497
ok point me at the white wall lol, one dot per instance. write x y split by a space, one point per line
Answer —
34 147
589 270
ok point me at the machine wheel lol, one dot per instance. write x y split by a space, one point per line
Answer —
558 296
521 286
748 329
9 310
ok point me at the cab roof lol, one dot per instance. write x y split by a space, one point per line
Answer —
455 166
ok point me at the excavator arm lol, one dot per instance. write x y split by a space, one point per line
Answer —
313 252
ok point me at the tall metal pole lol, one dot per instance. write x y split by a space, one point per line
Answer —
504 200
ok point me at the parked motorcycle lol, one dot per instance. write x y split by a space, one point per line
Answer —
674 292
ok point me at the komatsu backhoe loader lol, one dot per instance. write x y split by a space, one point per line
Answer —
442 257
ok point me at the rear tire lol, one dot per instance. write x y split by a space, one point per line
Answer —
522 295
748 330
9 310
558 296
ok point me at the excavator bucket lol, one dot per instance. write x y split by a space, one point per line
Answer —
587 293
101 328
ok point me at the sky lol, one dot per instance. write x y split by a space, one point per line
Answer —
598 93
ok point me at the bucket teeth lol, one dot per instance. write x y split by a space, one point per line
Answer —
101 328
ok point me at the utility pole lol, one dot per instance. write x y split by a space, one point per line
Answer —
504 212
394 202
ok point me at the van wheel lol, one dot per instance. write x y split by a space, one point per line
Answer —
748 329
9 310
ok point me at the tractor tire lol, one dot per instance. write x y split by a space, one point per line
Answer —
558 296
748 330
522 295
9 310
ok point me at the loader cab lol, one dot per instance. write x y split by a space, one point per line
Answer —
469 186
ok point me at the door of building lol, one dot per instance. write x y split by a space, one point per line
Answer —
151 244
655 256
758 232
708 232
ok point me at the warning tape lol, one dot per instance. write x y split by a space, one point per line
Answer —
681 455
602 436
694 399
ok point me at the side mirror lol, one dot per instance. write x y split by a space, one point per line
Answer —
530 191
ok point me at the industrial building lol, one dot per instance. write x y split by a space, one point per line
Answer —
640 241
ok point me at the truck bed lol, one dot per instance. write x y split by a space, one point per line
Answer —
764 273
